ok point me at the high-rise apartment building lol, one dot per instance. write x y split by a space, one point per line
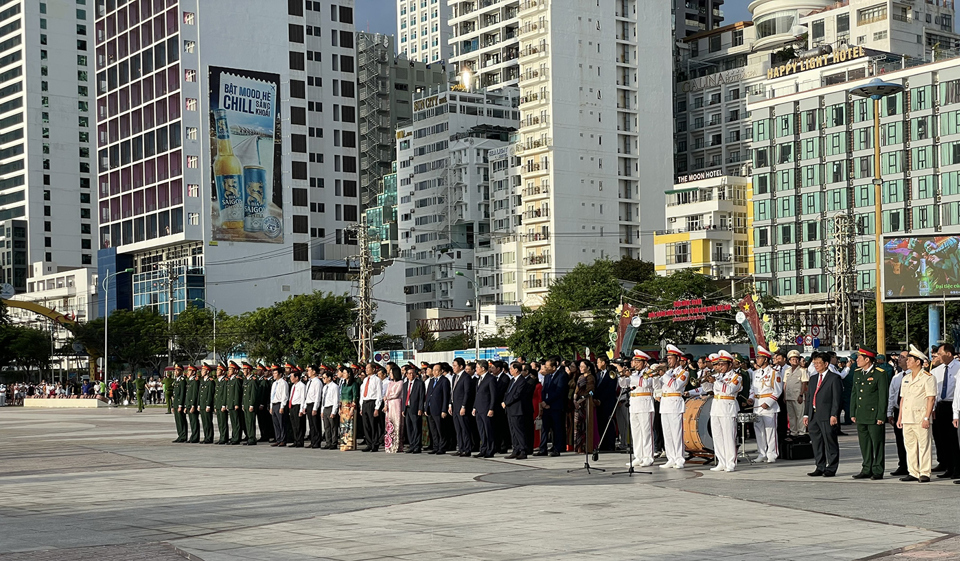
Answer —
485 45
443 186
227 148
694 16
423 30
46 78
592 79
385 87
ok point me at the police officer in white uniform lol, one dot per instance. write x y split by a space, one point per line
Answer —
641 409
672 385
765 389
727 384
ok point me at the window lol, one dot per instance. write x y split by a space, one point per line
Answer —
192 133
188 18
189 46
193 162
193 190
301 252
714 45
191 104
193 218
301 224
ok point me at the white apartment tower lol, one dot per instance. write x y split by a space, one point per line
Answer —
423 30
227 139
46 76
443 188
595 78
485 44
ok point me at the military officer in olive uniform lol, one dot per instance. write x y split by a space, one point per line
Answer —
220 403
168 392
140 385
234 400
205 402
178 397
251 388
868 409
191 404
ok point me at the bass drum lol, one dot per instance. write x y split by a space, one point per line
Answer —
697 438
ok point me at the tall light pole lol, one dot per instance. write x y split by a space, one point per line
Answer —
105 283
476 304
876 89
215 313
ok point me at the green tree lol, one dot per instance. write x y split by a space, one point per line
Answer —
6 337
31 348
550 331
192 333
587 287
634 270
137 337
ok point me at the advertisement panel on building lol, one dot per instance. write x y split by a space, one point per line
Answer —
245 153
921 268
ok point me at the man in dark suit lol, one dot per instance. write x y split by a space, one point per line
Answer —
483 408
413 410
437 403
553 397
513 406
461 404
821 415
501 430
606 392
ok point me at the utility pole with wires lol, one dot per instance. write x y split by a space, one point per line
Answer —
844 276
365 296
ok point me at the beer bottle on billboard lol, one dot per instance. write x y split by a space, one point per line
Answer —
228 175
255 198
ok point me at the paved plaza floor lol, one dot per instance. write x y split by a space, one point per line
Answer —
109 484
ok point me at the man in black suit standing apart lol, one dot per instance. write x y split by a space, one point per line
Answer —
461 404
437 403
553 397
513 405
413 410
483 408
821 416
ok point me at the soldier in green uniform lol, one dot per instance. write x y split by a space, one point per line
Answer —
234 400
220 403
251 390
168 392
205 403
178 398
191 404
868 409
140 386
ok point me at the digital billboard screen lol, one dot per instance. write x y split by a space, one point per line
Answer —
921 267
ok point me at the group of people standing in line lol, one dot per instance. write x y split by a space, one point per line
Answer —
484 408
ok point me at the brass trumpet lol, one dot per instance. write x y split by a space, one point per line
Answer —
656 371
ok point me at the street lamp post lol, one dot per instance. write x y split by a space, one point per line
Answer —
105 283
476 304
876 89
215 313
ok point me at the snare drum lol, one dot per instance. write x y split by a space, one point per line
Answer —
746 417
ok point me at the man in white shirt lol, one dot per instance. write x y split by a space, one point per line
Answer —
279 395
3 395
298 394
371 397
329 409
312 399
944 433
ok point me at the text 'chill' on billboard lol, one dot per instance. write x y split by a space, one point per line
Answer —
245 150
921 268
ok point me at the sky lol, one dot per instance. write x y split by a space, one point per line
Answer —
379 16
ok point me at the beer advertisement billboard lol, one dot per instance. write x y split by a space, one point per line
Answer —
245 152
921 268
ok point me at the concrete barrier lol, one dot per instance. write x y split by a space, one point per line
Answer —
63 403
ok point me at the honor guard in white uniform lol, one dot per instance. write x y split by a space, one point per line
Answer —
765 389
672 385
641 409
723 413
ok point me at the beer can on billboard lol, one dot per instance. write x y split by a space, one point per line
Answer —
228 175
255 198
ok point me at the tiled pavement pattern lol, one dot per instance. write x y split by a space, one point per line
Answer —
71 481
